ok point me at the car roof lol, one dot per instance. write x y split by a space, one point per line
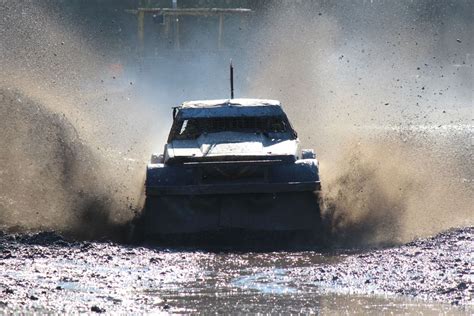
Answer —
229 108
229 102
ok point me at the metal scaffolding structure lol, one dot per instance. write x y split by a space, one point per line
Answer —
170 16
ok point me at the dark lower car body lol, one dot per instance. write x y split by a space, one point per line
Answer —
230 201
250 219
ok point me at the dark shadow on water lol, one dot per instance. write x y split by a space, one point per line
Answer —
229 241
239 240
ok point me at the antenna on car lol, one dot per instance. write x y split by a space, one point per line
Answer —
231 80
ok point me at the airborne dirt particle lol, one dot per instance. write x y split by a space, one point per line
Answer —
97 309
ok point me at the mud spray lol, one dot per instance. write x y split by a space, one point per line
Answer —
382 91
73 145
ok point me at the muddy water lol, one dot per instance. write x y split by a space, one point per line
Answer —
46 273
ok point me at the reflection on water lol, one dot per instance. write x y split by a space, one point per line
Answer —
272 283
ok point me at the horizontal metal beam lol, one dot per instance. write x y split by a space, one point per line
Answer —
192 11
232 159
234 188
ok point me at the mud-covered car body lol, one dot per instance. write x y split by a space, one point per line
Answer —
221 153
232 146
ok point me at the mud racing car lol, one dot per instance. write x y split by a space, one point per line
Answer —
231 164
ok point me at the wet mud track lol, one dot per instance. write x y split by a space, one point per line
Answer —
46 273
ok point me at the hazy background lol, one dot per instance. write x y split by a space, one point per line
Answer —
381 89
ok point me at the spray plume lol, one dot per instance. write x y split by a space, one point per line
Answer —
383 91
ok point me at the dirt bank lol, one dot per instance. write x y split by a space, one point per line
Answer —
438 268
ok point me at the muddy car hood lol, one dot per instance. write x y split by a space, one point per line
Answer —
234 144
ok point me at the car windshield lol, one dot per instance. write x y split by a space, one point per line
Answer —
193 128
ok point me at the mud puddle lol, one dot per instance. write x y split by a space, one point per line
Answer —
46 273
